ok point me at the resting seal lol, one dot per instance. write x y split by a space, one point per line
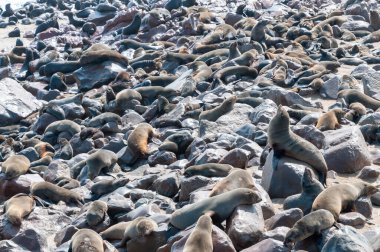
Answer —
102 159
107 186
224 108
49 191
330 120
200 238
350 96
208 170
138 139
141 226
218 207
115 232
15 166
17 207
96 213
238 178
337 198
86 240
284 141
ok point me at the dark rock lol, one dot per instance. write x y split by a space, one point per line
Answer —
286 218
167 185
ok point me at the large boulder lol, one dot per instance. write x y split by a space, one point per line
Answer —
346 150
268 245
15 102
371 84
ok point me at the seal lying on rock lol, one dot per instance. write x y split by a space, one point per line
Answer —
53 193
200 238
17 207
213 114
86 240
284 141
141 226
209 170
238 178
15 166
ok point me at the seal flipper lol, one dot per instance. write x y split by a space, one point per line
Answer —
276 158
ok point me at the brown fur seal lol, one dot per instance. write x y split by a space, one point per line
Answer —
49 191
15 166
283 141
141 226
218 207
200 238
139 138
115 232
224 108
209 170
311 224
85 240
330 120
337 198
107 186
149 94
66 151
351 96
17 207
44 149
238 178
124 97
96 213
96 162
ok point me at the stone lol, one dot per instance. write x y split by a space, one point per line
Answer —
162 158
362 72
311 134
248 131
15 102
30 153
352 219
330 88
279 233
30 239
373 237
346 150
264 112
356 25
210 156
286 97
369 172
375 199
100 18
94 76
22 184
268 245
167 185
286 218
132 118
236 157
371 84
73 111
245 226
372 118
363 206
188 185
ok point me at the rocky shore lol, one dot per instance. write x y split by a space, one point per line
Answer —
190 125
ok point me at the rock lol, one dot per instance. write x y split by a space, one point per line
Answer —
286 179
167 185
248 131
132 118
15 102
278 233
361 71
162 158
236 157
363 206
210 156
369 172
188 185
356 25
94 76
100 18
268 245
372 118
375 199
30 153
352 219
373 237
347 240
371 84
346 150
65 234
9 188
286 218
245 226
30 239
10 246
73 111
286 98
311 134
330 88
264 112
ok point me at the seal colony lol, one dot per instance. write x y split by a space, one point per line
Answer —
172 125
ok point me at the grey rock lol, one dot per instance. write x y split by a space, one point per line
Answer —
286 98
167 185
268 245
236 157
362 72
162 158
372 118
30 153
330 88
352 219
363 206
311 134
286 218
371 84
264 112
369 172
188 185
278 233
373 237
356 25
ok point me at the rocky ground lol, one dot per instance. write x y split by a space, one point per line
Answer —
165 70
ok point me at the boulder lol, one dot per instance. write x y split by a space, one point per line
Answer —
330 88
264 112
286 218
371 84
268 245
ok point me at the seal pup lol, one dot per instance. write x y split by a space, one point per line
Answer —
139 138
106 186
330 120
310 224
15 166
238 178
100 160
141 226
337 198
17 207
200 238
209 170
283 141
48 191
96 213
218 207
224 108
86 240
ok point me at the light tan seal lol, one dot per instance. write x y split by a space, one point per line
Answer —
96 213
218 207
340 197
15 166
330 120
141 226
49 191
86 240
115 232
139 138
200 238
283 141
310 224
209 170
238 178
224 108
17 207
107 186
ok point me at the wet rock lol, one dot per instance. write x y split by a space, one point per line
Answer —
167 185
286 218
346 150
15 102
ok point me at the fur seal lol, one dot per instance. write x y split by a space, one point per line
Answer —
149 94
86 240
310 224
96 213
115 232
66 151
337 198
219 207
107 186
17 207
224 108
102 159
238 178
330 120
209 170
310 190
141 226
282 140
200 238
350 96
54 193
134 26
53 131
15 166
139 138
